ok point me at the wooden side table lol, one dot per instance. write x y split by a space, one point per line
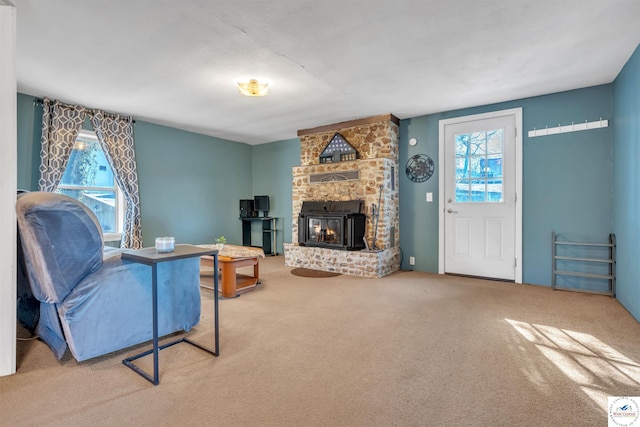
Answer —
150 257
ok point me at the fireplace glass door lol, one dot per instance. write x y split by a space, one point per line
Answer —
325 230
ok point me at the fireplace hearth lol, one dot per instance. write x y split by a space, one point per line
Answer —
335 225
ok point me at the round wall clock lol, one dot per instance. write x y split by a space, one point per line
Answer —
420 168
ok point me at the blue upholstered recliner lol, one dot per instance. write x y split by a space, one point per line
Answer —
91 300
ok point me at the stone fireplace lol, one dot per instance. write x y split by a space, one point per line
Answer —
331 190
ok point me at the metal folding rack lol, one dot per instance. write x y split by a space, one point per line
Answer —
610 260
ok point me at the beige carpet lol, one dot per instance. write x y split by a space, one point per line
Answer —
411 349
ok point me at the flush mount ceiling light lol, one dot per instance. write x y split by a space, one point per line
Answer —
253 87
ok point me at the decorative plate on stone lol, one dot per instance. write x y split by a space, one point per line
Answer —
420 168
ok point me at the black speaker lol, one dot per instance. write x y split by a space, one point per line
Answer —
266 243
246 209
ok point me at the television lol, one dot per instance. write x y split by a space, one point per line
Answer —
261 204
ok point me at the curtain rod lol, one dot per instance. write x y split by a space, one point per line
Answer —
40 101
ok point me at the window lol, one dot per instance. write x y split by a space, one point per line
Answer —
479 166
89 179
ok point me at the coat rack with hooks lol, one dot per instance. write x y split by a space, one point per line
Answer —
573 127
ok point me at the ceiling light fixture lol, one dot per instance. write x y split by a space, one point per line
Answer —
253 88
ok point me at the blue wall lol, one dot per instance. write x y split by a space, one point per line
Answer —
626 182
190 184
272 176
29 130
567 179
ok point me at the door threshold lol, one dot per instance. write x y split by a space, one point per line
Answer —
494 279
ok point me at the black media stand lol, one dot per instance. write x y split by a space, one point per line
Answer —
268 233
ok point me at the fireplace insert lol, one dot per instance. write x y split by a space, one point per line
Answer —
335 225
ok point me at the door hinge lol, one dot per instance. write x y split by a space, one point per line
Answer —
515 262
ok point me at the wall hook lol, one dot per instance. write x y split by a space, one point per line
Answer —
573 127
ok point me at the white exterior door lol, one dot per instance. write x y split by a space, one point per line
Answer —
479 202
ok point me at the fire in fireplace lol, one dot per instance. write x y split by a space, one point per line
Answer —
336 225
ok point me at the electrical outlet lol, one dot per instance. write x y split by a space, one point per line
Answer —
429 197
412 260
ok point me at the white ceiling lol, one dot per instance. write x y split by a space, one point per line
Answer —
175 62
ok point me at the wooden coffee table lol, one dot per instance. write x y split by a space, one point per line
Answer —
230 258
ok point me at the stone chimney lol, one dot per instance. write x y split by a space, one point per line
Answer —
372 177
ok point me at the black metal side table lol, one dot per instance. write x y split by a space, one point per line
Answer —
150 257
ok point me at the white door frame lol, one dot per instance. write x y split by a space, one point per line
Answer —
517 113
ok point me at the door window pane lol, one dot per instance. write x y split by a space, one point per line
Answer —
479 158
478 143
462 168
462 190
462 145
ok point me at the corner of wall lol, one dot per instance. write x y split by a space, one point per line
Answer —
8 166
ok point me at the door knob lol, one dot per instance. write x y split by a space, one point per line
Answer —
451 211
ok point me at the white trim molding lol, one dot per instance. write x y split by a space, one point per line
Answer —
8 172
